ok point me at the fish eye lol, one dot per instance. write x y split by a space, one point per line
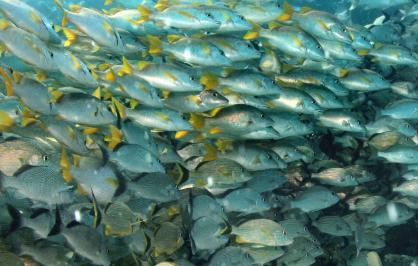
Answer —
305 228
262 115
312 101
51 54
242 169
215 94
351 177
159 161
89 70
269 157
192 78
209 15
263 199
241 17
407 126
284 232
363 37
222 53
333 193
336 81
318 46
344 30
108 251
45 158
248 45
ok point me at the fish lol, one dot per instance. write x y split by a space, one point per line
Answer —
263 232
314 199
207 234
333 225
244 201
168 238
94 112
86 241
204 101
340 120
365 80
20 153
30 184
118 219
166 76
146 162
336 177
159 118
217 172
294 42
32 50
191 51
156 186
230 254
253 158
322 25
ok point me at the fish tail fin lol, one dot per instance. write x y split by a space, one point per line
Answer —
126 68
114 138
70 35
145 14
254 33
362 52
234 230
287 12
58 226
118 109
211 153
17 218
110 75
95 211
4 24
197 121
6 122
8 81
154 45
209 80
181 134
64 20
65 166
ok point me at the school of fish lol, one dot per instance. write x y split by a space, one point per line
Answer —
208 132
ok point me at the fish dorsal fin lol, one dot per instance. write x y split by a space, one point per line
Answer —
161 5
305 9
143 65
173 38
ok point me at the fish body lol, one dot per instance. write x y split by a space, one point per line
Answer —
314 199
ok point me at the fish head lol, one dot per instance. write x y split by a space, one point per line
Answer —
341 33
315 51
212 97
240 23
